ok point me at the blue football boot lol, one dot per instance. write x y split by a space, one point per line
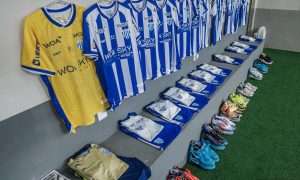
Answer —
214 146
260 66
199 157
211 153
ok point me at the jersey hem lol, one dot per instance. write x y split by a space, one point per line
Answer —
37 71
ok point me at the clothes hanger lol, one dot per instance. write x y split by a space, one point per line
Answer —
57 2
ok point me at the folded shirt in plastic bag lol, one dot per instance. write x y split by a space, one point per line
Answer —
158 134
226 59
204 76
214 70
237 50
168 111
250 39
54 175
244 46
182 97
196 87
96 163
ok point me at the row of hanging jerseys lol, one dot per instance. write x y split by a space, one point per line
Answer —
91 59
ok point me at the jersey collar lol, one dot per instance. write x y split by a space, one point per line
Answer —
132 2
114 3
163 5
70 21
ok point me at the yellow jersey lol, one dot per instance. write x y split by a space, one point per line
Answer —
53 49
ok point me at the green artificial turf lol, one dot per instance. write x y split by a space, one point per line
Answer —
266 144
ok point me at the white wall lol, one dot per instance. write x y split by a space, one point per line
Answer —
19 90
279 4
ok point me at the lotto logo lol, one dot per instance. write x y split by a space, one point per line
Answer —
159 141
126 33
83 154
195 104
105 151
80 44
179 118
169 21
151 26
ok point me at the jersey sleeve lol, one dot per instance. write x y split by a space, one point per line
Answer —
32 54
175 14
89 46
214 8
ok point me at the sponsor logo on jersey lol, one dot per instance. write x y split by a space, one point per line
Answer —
184 27
122 24
73 68
36 60
125 52
56 53
165 37
78 34
109 55
53 42
147 43
148 18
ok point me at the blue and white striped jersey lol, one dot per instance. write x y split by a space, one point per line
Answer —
205 23
217 12
230 17
110 38
237 8
244 10
196 27
167 29
184 29
145 15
